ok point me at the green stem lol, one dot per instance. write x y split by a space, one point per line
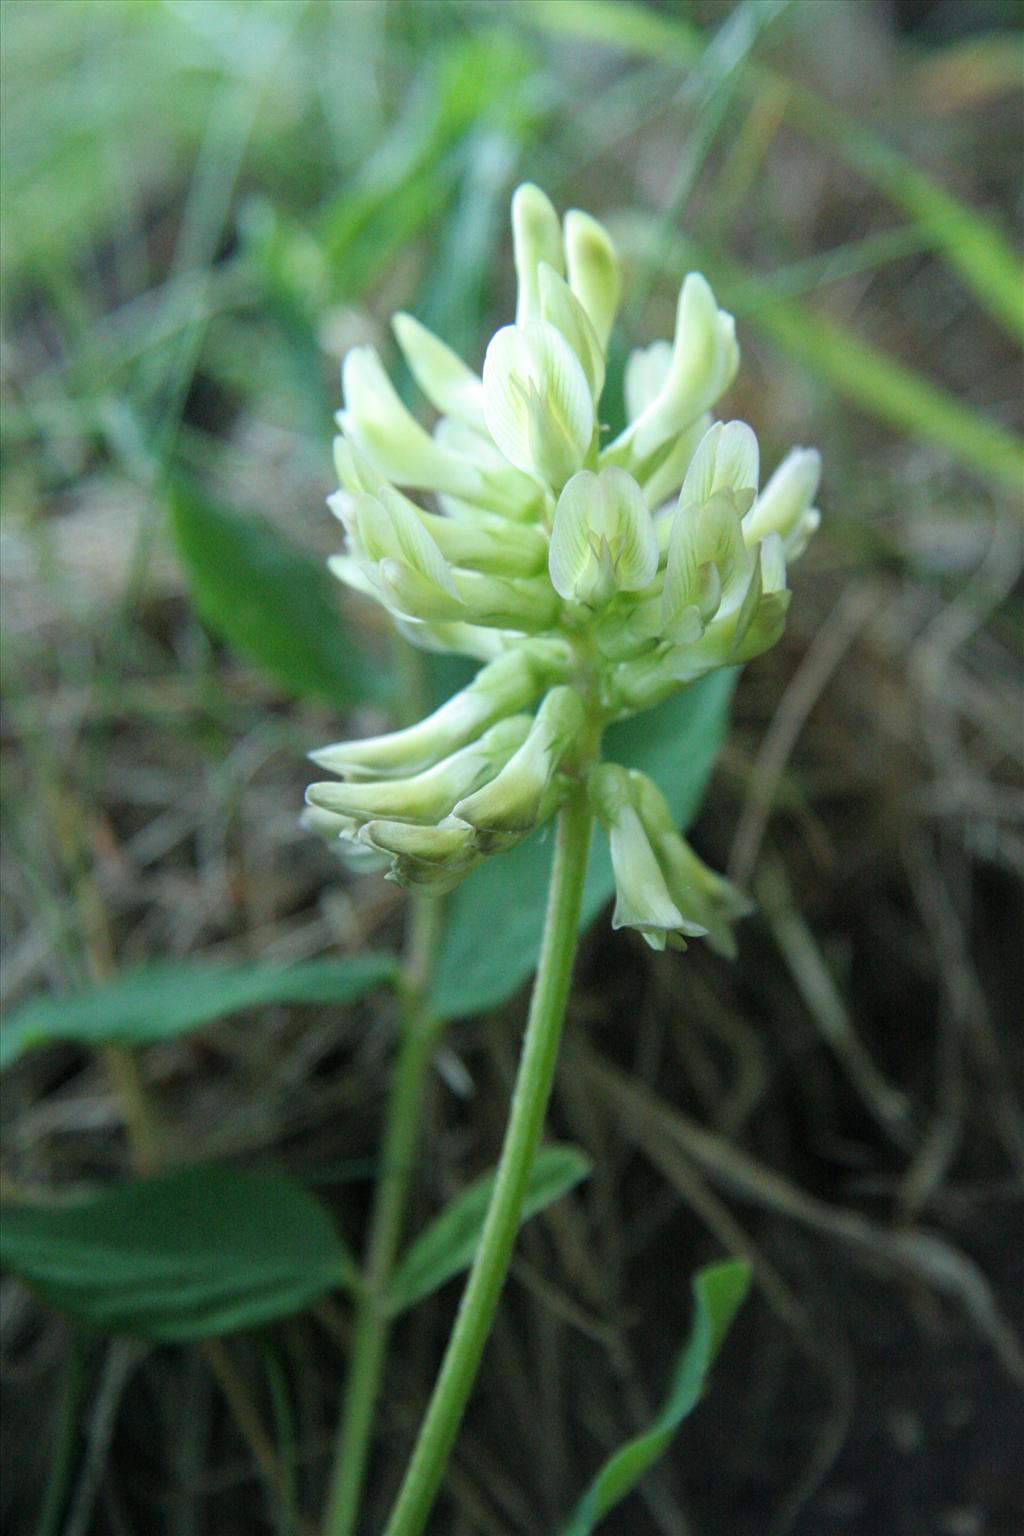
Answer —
526 1122
372 1325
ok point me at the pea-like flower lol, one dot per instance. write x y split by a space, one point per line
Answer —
591 578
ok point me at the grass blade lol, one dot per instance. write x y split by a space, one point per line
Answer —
718 1293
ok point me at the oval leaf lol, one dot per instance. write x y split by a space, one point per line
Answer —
677 744
185 1255
448 1245
168 999
270 601
718 1292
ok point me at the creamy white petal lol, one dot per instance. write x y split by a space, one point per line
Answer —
603 538
645 374
441 374
537 401
390 437
703 363
593 267
785 504
536 237
560 308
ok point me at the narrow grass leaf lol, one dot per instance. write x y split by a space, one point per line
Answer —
677 744
270 601
448 1245
881 385
168 999
968 239
186 1255
718 1292
890 391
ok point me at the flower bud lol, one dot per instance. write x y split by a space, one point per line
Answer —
641 683
709 902
536 237
391 438
482 541
644 376
355 473
512 801
444 378
664 472
454 639
426 858
594 275
505 490
784 506
342 833
703 363
602 539
503 687
390 539
428 796
537 401
560 307
724 467
642 899
408 592
526 604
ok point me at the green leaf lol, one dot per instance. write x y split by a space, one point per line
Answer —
718 1292
270 601
185 1255
448 1245
495 918
163 1000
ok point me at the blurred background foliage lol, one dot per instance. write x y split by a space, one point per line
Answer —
204 203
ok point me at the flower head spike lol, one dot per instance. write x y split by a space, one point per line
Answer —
587 582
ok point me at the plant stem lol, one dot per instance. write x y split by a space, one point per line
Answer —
130 1091
526 1122
372 1324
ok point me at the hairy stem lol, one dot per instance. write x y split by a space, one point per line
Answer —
526 1122
372 1325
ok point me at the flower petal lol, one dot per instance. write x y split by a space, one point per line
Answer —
441 374
561 308
594 275
537 401
784 506
536 237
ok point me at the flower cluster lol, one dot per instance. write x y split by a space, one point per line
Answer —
596 578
